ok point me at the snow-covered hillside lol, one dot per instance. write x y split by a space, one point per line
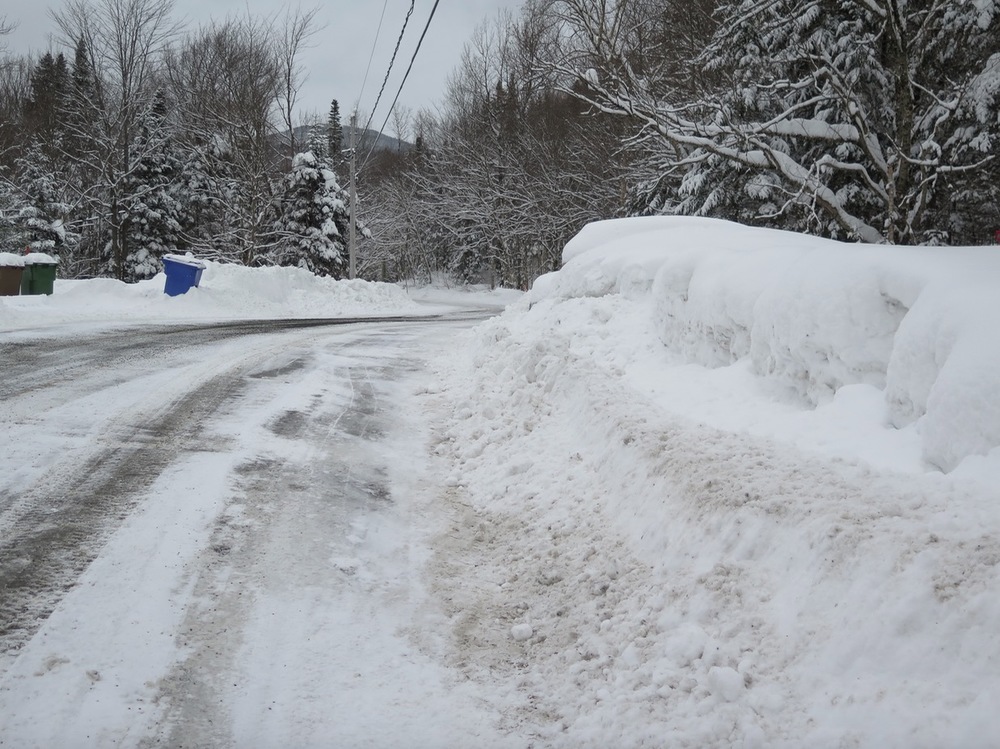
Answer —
700 469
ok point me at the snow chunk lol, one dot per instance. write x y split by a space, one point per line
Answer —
522 632
726 684
186 259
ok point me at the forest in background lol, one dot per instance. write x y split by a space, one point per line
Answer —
870 120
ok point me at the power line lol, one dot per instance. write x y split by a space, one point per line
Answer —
378 31
402 83
393 60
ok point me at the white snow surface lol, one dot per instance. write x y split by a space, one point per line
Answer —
905 337
39 258
706 486
186 259
225 292
706 462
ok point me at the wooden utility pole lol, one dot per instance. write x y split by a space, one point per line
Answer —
352 238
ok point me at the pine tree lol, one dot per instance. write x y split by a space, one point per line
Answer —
44 107
39 221
154 203
312 219
207 183
318 142
9 236
335 135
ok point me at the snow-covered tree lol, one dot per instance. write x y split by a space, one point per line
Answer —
207 183
313 218
501 182
124 41
317 142
155 201
224 79
41 210
857 118
8 210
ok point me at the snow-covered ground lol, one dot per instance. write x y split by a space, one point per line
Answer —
703 467
231 292
706 486
255 570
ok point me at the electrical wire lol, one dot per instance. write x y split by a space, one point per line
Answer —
402 83
378 31
387 72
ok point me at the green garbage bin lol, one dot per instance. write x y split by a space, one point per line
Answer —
39 275
11 271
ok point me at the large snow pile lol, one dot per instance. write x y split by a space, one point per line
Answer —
225 292
812 316
694 494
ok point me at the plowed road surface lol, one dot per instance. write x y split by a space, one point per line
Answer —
201 543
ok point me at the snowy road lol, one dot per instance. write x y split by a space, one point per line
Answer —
55 518
208 537
643 507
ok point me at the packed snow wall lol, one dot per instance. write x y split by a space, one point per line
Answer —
813 315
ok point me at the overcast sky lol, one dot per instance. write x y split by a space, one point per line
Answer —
339 53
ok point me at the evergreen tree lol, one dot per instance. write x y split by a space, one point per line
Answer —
8 210
318 142
312 219
50 85
39 220
83 74
155 202
81 104
335 135
208 185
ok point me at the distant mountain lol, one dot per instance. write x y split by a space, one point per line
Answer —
365 138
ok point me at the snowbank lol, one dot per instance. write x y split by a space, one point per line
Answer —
812 316
226 292
691 501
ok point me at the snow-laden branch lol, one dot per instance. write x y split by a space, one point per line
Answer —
722 141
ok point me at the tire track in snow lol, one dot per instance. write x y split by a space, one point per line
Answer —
69 518
35 361
291 532
50 532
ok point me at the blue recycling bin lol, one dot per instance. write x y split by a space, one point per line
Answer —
182 274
